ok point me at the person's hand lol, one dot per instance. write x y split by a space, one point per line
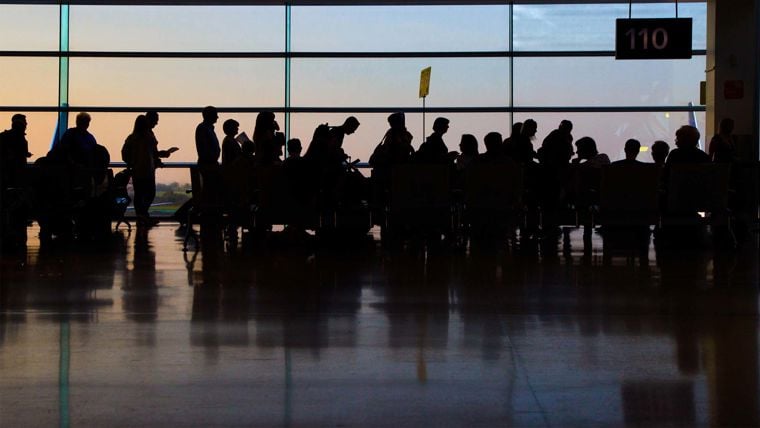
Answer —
172 150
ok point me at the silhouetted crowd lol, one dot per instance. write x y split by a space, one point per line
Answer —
72 193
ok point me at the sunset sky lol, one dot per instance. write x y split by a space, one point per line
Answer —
325 82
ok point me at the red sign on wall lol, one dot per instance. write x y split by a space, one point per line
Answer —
733 89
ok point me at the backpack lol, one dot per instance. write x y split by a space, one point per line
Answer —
127 153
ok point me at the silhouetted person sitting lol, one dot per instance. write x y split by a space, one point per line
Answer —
723 145
660 151
468 146
297 171
687 147
434 150
231 149
557 148
522 147
631 149
509 142
93 221
588 155
493 153
77 145
267 150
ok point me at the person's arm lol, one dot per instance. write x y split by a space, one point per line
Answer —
168 152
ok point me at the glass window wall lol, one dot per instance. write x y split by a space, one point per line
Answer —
331 60
178 28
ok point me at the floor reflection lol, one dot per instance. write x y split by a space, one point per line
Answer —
571 331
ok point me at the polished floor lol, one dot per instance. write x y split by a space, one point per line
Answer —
135 333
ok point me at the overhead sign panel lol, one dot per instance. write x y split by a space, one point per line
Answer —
665 38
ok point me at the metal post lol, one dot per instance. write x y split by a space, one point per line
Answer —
423 120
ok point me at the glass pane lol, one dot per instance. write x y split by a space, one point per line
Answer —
39 131
611 130
400 28
606 82
174 129
28 27
177 82
178 28
373 126
29 81
395 82
591 27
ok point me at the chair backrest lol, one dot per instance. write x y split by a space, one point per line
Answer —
274 195
196 183
415 187
698 187
496 187
630 188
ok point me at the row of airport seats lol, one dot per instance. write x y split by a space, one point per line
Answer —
67 202
488 200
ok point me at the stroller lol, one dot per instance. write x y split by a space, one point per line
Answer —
120 199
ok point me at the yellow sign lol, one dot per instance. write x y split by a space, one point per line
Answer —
425 82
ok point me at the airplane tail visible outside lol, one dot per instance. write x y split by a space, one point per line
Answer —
693 122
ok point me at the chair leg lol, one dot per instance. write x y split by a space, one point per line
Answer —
188 230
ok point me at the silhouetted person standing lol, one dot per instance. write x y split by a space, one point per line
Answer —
508 144
723 145
338 134
152 117
231 149
206 141
14 151
632 148
557 148
267 145
140 153
396 145
434 150
522 147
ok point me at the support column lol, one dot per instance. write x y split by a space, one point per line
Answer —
288 12
732 71
63 72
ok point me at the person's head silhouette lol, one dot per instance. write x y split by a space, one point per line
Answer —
397 120
632 148
687 137
529 128
83 120
350 125
440 125
660 150
18 122
210 115
230 127
152 116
